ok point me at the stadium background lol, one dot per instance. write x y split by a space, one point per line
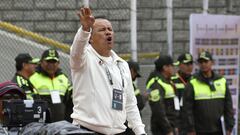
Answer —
57 20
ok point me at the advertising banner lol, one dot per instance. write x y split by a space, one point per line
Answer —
219 35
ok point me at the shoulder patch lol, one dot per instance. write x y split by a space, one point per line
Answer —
154 95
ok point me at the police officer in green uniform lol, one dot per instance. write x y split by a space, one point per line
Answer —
161 97
180 79
206 99
184 73
25 67
53 86
135 73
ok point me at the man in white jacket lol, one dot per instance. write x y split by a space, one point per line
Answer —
103 94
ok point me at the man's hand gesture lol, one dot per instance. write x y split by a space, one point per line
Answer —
86 18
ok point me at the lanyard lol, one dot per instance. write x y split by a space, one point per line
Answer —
121 73
183 81
109 76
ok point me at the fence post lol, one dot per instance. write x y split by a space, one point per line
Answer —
134 30
86 3
205 6
169 27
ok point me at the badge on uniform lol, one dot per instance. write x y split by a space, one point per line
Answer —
176 103
55 96
117 101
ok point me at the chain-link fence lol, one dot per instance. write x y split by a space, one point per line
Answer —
57 20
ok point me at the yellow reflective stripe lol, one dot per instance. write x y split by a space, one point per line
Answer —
174 77
44 93
169 91
23 81
179 85
28 92
154 95
47 92
137 91
35 91
150 82
19 81
29 97
70 88
26 83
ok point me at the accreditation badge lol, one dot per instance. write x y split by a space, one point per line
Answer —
55 96
176 103
117 101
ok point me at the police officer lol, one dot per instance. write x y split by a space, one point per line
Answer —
206 99
135 73
53 86
161 97
180 79
25 67
184 73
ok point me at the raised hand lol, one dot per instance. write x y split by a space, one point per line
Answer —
86 18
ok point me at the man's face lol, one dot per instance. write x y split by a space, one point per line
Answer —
186 68
205 65
102 38
29 67
50 66
169 70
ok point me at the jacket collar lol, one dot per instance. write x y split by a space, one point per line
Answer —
200 76
39 69
115 57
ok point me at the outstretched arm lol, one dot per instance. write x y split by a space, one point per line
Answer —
81 38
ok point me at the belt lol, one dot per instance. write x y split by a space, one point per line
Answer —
96 133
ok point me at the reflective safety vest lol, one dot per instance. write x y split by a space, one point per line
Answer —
155 94
45 84
202 91
178 85
24 84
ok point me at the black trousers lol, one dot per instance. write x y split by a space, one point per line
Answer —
214 133
96 133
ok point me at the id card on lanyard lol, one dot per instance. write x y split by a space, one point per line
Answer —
55 96
117 101
176 103
117 95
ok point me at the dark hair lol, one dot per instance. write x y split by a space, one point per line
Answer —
162 61
22 58
19 67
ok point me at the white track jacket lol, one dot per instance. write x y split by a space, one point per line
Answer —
93 93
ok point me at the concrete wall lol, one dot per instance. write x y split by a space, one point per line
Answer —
57 19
